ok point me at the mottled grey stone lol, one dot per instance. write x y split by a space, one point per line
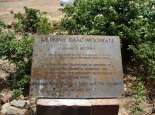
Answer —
77 67
18 103
7 109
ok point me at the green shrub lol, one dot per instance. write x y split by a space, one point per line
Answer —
139 99
132 20
17 51
32 21
16 46
2 25
43 26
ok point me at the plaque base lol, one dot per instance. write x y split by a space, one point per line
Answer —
77 106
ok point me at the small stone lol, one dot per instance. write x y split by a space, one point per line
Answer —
21 97
7 109
123 111
18 103
5 95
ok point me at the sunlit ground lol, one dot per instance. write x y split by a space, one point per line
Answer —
49 6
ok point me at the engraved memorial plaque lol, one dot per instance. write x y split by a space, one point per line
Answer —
77 67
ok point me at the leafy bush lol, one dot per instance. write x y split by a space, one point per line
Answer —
132 20
2 25
139 98
18 52
32 21
43 26
16 46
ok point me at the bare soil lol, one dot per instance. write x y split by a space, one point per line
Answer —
49 6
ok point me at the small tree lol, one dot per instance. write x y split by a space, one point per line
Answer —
16 45
19 53
32 21
132 20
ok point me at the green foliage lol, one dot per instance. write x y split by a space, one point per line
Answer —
43 26
27 22
2 25
139 98
16 46
17 92
32 21
145 52
18 51
132 20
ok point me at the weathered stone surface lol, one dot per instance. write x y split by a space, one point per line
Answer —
7 109
18 103
5 96
77 67
77 106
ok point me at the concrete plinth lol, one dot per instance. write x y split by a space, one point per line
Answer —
77 106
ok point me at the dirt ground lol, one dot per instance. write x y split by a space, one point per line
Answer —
49 6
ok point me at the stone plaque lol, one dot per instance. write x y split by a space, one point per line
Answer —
77 67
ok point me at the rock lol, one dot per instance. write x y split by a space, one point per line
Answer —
147 108
5 95
18 103
123 111
7 109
